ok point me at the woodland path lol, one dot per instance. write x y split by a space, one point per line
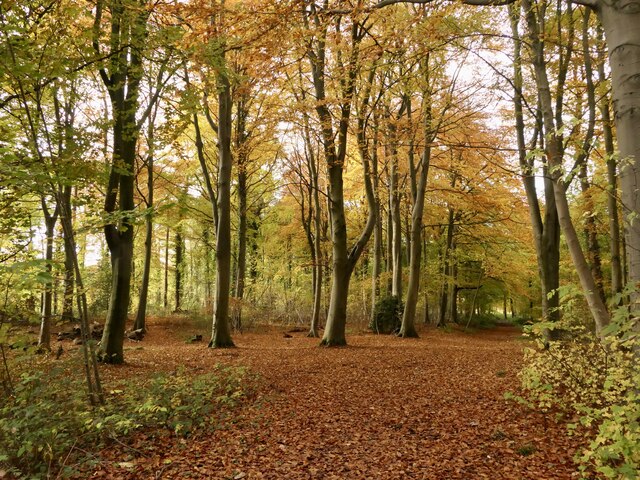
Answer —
381 408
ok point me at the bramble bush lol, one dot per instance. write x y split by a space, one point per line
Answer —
596 378
47 425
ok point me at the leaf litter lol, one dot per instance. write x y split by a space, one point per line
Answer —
380 408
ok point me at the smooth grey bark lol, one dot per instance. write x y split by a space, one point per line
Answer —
314 237
621 23
220 200
407 328
389 241
418 190
554 155
612 177
394 209
590 228
546 228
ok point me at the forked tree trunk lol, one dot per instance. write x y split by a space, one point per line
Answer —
396 220
546 229
419 189
127 38
554 155
407 329
335 149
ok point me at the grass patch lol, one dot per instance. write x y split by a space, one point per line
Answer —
526 449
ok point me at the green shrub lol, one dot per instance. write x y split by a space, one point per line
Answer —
599 379
387 315
47 422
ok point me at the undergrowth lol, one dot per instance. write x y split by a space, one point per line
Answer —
597 381
387 315
47 426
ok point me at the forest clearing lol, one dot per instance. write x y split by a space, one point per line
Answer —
382 174
381 408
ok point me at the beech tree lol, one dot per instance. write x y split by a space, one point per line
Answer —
621 23
121 76
334 141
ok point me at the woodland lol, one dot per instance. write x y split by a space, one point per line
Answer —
199 200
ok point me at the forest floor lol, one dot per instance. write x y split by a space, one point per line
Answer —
380 408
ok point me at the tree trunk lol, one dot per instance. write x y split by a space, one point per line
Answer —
221 333
67 302
407 329
554 156
612 197
452 307
140 321
389 248
446 270
179 269
241 138
396 223
591 234
318 270
208 295
621 23
419 189
546 232
377 232
129 29
241 271
335 150
165 301
334 334
44 339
